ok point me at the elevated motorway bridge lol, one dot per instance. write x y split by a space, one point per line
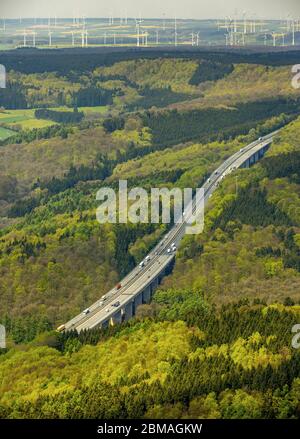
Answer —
120 304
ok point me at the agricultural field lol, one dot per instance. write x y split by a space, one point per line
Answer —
23 119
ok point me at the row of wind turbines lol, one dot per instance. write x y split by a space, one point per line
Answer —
237 32
80 35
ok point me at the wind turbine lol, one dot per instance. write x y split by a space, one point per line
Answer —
138 28
192 38
243 39
293 31
34 38
226 23
50 38
197 39
245 22
73 39
254 25
157 37
111 19
175 29
86 37
25 38
164 21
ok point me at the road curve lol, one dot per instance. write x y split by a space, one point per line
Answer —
159 258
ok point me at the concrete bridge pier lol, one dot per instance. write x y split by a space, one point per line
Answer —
147 294
154 285
138 300
116 318
127 312
105 324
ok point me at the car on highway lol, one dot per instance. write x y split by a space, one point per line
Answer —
169 250
147 258
141 264
86 311
118 287
116 304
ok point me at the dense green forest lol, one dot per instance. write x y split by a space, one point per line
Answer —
216 339
66 60
189 360
60 116
173 127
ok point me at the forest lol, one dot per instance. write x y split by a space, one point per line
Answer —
64 60
216 339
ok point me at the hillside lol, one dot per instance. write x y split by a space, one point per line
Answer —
215 342
251 245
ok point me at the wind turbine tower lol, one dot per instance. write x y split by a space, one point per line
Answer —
25 38
50 38
138 31
245 23
293 31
